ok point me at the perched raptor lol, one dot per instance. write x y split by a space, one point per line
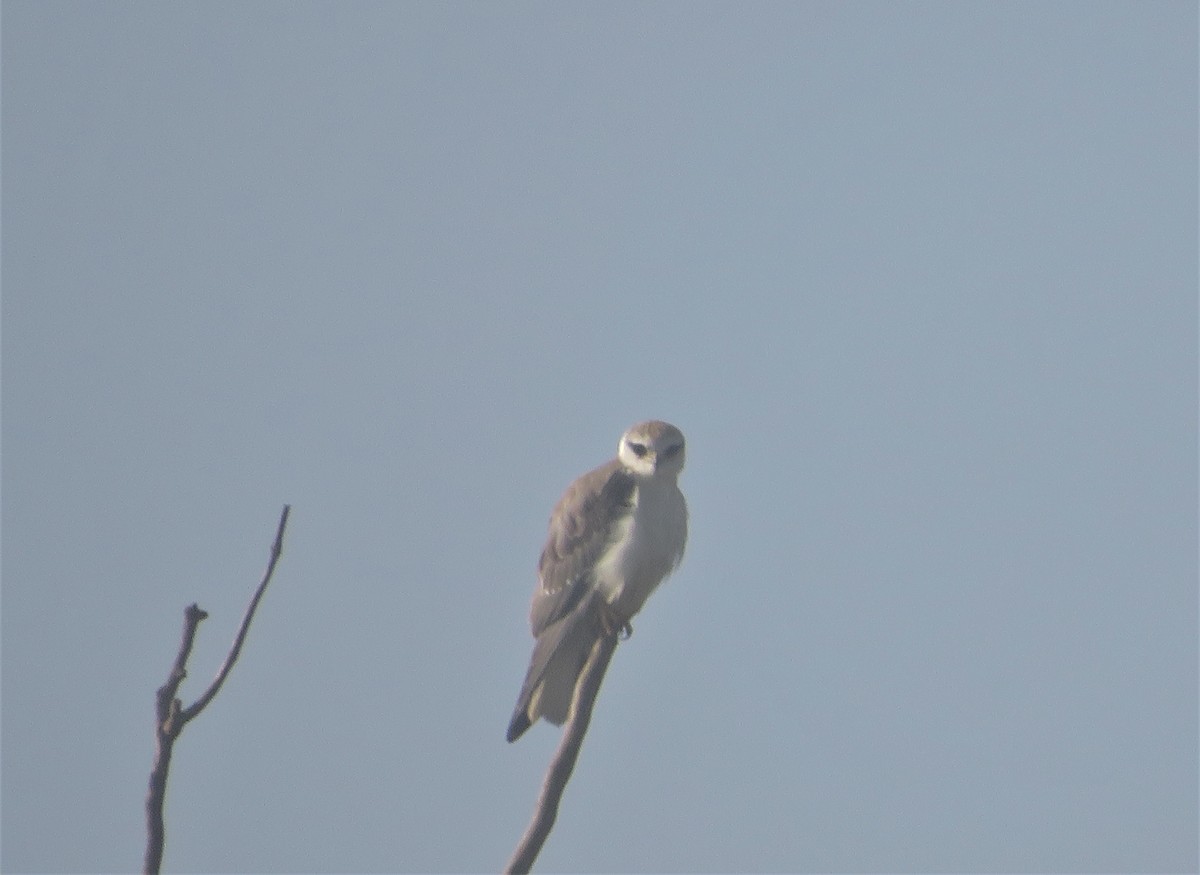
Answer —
615 535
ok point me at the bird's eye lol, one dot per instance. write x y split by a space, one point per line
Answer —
639 450
672 450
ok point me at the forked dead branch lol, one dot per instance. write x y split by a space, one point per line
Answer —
171 716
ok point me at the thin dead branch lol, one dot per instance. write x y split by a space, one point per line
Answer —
561 766
170 714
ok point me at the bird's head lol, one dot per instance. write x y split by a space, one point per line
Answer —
652 448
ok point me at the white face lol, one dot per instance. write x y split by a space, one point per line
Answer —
652 448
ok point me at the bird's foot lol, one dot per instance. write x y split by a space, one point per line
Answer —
614 624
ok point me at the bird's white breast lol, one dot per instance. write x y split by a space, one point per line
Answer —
646 548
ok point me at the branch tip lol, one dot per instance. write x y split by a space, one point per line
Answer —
587 686
171 714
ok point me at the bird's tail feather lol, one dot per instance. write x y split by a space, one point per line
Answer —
558 657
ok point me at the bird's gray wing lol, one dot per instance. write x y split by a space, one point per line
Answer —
582 527
565 603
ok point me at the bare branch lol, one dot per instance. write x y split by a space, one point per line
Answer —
171 717
166 731
234 651
561 766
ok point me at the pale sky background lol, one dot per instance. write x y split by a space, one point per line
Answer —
917 280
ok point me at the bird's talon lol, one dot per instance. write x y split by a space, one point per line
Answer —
612 624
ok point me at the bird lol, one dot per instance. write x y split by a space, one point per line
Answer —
617 532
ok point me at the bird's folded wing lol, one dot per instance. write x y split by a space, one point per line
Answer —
582 528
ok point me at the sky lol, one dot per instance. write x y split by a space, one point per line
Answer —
917 280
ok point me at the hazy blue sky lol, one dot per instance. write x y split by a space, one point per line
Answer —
918 281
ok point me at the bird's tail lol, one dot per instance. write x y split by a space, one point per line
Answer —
558 657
